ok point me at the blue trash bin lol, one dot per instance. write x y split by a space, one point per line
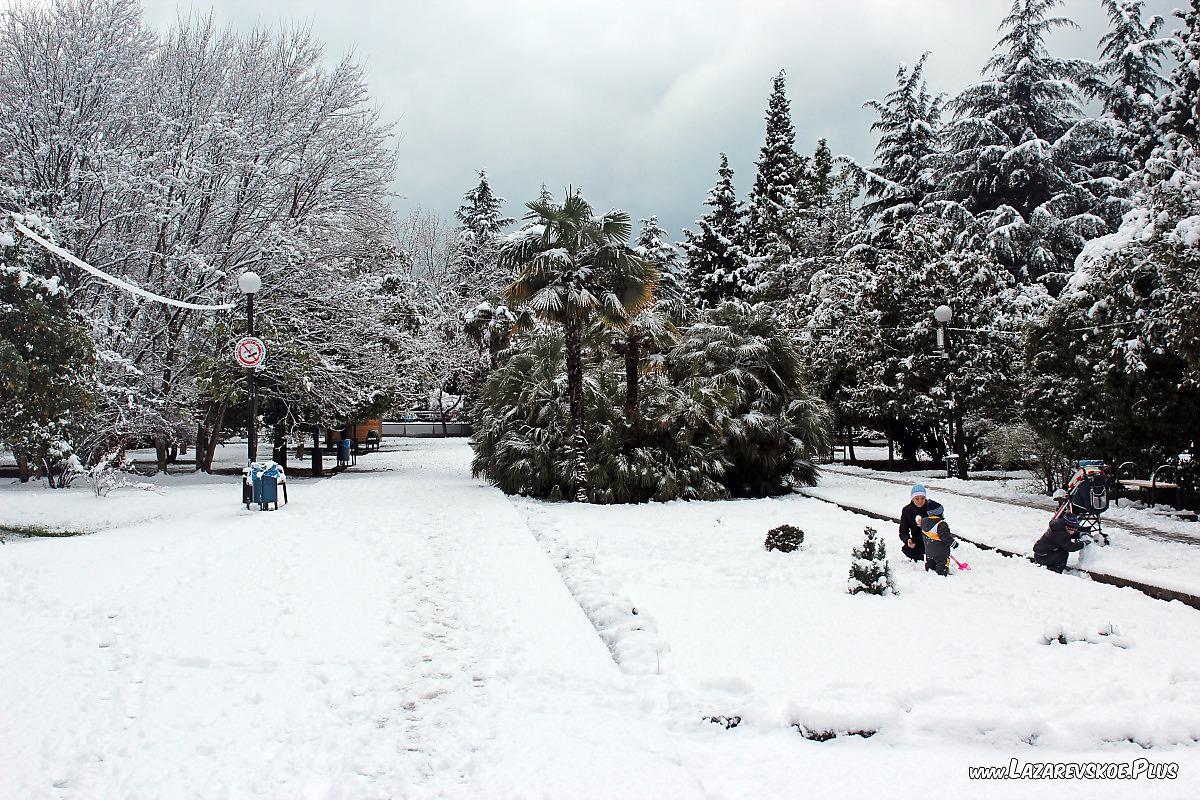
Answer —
268 492
344 452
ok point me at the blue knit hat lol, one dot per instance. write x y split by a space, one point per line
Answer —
918 489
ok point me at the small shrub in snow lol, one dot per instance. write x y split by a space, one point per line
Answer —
726 722
826 735
869 569
785 538
1105 634
112 472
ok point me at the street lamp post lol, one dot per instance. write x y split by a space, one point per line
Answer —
249 283
943 314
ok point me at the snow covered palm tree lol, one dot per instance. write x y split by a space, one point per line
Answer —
573 266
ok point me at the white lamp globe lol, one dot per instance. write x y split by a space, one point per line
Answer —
249 282
943 314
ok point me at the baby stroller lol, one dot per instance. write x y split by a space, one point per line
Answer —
1085 499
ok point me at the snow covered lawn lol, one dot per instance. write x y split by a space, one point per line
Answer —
403 633
950 673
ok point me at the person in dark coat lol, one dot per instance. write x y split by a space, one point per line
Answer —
938 539
913 543
1057 543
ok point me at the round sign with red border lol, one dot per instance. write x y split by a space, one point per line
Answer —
250 352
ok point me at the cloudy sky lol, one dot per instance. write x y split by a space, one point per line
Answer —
631 100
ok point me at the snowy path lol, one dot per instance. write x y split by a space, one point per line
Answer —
387 635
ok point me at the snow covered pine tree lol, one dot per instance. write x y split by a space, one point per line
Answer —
870 572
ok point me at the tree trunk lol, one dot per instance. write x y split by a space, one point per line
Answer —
160 455
24 468
633 359
201 444
318 462
958 448
850 444
279 450
573 339
211 449
891 444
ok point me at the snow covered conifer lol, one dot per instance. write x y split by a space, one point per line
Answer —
716 259
481 224
1124 334
870 572
1022 159
47 364
908 124
778 194
652 245
1129 76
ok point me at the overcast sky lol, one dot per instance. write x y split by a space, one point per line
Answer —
631 100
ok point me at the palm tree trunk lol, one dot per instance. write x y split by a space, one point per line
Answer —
633 358
573 338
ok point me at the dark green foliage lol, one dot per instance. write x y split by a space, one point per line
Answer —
523 433
745 367
785 538
870 572
716 258
721 414
47 367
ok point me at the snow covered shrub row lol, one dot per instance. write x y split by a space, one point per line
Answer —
721 412
630 633
1103 634
785 538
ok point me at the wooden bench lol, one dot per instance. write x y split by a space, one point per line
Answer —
1148 490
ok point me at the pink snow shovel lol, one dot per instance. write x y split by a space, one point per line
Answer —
961 564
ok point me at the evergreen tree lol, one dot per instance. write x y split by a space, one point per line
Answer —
908 124
778 196
1129 76
817 220
886 375
652 246
574 267
47 364
716 259
481 223
772 428
1115 367
870 572
1031 174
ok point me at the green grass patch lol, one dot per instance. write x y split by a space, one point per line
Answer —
39 531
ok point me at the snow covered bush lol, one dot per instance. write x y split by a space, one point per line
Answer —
47 364
523 433
870 572
785 538
112 471
722 413
748 375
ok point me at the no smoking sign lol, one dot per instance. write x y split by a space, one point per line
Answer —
250 352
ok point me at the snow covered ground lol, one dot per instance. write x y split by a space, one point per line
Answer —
404 633
952 672
387 635
1169 564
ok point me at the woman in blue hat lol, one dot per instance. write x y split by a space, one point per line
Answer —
911 536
